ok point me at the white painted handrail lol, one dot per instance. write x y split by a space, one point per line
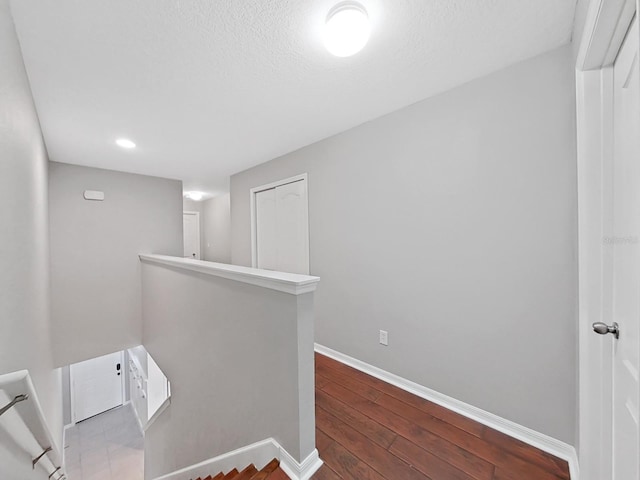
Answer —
26 424
292 283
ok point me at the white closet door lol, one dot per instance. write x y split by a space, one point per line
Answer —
280 228
266 230
292 228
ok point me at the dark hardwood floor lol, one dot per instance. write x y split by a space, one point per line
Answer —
367 429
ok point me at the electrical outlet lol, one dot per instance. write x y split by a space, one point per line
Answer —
384 337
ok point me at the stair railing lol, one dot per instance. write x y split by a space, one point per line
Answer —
23 419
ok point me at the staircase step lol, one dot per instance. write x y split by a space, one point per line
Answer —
231 474
278 474
271 471
247 473
266 470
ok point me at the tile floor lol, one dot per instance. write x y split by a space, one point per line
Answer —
105 447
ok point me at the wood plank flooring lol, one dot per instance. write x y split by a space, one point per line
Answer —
367 429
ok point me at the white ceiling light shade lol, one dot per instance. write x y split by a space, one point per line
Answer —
347 29
195 196
125 143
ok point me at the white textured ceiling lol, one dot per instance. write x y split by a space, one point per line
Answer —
207 88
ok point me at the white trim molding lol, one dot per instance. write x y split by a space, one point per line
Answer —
259 453
300 471
535 439
605 27
291 283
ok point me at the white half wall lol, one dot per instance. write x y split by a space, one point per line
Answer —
239 357
452 224
95 271
25 338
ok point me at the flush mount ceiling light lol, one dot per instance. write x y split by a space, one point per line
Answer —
347 29
195 196
125 143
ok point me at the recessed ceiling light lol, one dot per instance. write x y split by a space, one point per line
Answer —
125 143
196 196
347 29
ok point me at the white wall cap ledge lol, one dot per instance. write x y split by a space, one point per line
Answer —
292 283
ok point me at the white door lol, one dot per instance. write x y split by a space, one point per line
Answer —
96 385
281 226
292 227
191 229
266 231
626 261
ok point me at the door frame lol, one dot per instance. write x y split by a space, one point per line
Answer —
606 25
72 393
197 214
252 202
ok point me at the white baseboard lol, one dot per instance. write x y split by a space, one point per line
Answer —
300 471
536 439
259 453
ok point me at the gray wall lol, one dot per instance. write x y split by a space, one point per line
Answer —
217 228
452 224
240 362
24 266
95 271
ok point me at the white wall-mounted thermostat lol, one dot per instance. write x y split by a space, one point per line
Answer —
93 195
